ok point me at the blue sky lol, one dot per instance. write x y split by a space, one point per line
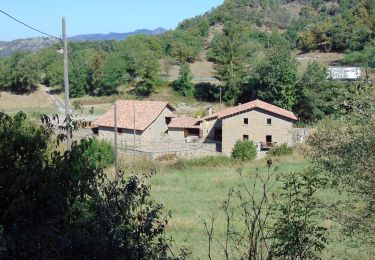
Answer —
94 16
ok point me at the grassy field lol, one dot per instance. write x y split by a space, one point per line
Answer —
35 102
194 193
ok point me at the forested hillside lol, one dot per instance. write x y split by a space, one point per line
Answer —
312 200
251 45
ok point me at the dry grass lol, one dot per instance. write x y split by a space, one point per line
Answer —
324 58
201 69
35 101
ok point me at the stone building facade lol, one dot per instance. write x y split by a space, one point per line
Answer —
151 120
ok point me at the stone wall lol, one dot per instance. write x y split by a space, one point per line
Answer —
209 127
107 133
158 128
257 128
176 134
155 131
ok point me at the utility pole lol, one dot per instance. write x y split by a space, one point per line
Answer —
66 84
134 132
115 137
220 97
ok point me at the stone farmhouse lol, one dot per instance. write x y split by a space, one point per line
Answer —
149 120
258 121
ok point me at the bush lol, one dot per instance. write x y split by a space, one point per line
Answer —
280 150
100 152
244 150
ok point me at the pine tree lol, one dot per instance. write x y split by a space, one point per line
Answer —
184 84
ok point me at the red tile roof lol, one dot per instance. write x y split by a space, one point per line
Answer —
249 106
183 122
146 112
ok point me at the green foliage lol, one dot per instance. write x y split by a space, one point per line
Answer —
206 91
100 153
79 72
338 27
149 77
52 66
184 84
114 73
314 94
344 150
182 45
61 205
55 74
142 56
280 150
365 57
259 224
276 79
244 150
296 233
20 72
229 53
204 162
97 74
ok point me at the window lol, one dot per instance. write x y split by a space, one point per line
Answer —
95 130
245 137
269 121
269 138
119 130
245 121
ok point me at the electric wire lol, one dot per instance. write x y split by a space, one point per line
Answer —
33 28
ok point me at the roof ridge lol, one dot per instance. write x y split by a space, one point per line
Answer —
257 103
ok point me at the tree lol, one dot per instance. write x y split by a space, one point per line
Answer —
229 54
344 151
79 71
259 224
167 64
314 93
296 232
149 76
21 72
276 79
54 75
184 84
97 73
51 65
78 79
114 70
62 205
365 57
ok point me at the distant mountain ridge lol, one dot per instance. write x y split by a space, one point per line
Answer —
29 44
115 36
36 43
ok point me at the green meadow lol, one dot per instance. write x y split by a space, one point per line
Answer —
194 191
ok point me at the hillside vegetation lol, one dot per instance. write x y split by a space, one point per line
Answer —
311 201
240 46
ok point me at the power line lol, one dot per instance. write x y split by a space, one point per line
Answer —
39 31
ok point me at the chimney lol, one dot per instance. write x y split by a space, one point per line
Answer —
239 104
210 111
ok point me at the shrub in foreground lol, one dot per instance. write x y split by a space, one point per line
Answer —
62 205
100 152
244 150
280 150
